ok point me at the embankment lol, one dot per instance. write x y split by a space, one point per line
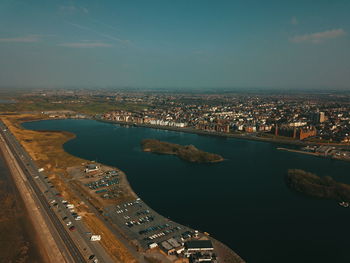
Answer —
18 241
49 248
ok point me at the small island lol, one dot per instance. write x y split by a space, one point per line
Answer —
185 152
322 187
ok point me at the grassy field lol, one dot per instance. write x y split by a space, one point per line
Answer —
89 106
17 242
45 147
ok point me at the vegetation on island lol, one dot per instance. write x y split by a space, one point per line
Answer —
185 152
322 187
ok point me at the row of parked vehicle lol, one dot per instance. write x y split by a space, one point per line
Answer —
163 233
139 221
153 228
70 208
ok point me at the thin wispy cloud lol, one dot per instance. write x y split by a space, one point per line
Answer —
85 44
72 9
294 21
105 25
24 39
108 36
319 36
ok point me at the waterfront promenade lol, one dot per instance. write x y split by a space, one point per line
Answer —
245 136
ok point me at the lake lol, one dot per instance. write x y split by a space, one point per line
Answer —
242 201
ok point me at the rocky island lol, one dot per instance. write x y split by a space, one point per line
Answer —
185 152
322 187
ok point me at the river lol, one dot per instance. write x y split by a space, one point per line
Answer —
242 201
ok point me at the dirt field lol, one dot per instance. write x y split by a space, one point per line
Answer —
80 178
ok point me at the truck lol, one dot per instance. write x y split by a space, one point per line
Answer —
95 238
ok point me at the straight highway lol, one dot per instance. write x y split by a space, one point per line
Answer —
81 249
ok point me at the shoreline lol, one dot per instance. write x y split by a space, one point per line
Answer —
231 256
313 154
299 151
244 136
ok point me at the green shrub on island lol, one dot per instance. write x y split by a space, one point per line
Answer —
316 186
186 152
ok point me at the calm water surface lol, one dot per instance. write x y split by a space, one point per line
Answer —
242 201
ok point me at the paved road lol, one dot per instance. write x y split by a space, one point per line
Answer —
117 231
76 243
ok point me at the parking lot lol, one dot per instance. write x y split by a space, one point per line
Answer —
143 224
103 182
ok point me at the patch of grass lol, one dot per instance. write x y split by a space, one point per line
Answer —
89 106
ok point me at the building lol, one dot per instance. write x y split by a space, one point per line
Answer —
264 128
173 242
200 251
321 117
250 128
195 246
302 134
168 248
299 133
222 128
91 168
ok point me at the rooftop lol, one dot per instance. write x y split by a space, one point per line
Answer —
200 244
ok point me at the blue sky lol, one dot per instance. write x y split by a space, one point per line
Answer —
179 43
